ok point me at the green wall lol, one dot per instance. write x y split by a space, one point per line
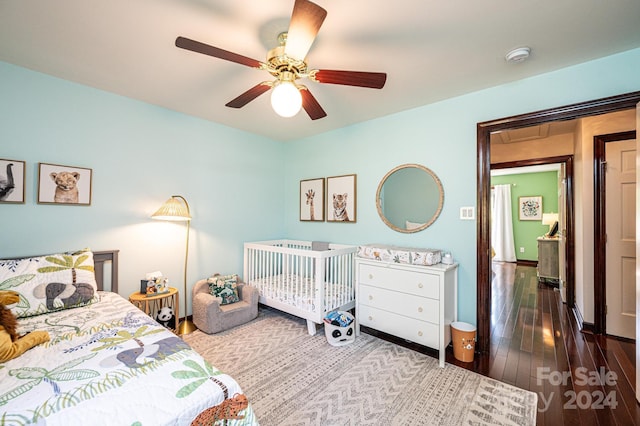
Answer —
526 232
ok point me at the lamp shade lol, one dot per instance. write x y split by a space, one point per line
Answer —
173 210
549 218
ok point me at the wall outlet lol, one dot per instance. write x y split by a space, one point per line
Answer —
521 249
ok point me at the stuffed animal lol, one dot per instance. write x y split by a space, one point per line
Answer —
11 345
165 317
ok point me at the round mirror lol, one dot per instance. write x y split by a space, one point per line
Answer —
409 198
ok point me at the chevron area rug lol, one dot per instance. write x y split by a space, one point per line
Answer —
292 378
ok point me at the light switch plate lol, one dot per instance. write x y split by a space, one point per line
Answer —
467 213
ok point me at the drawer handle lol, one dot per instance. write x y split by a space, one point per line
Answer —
370 318
420 285
420 309
370 297
420 333
370 276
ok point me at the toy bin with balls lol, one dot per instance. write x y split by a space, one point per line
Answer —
339 328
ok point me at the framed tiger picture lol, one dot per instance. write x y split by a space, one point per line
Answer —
341 199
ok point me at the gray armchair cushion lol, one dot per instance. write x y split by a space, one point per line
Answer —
211 317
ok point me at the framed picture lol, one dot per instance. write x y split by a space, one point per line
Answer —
530 208
64 185
312 200
341 198
12 173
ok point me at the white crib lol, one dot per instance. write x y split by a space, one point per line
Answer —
293 278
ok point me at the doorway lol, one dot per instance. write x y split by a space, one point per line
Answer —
484 130
614 244
555 205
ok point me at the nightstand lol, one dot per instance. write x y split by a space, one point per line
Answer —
548 261
152 304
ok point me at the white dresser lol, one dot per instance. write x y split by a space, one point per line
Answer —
416 303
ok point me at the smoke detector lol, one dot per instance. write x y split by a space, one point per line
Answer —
518 55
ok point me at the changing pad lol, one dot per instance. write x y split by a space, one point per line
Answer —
396 254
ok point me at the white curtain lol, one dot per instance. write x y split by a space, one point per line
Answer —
502 224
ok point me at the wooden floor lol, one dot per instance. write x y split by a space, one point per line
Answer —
580 378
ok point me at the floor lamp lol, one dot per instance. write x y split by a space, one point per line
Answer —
175 210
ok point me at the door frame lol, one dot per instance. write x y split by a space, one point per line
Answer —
483 227
567 160
599 230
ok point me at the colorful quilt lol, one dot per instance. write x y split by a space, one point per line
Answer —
109 363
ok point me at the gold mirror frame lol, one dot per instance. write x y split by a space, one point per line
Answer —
428 222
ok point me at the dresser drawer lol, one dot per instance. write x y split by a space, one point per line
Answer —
421 332
418 283
420 308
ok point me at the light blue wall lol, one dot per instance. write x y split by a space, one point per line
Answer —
243 187
140 155
442 137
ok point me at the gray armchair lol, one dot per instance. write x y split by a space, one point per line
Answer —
211 317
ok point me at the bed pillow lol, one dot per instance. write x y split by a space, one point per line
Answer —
50 283
224 288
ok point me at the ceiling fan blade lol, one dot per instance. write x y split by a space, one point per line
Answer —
373 80
306 20
249 95
196 46
311 105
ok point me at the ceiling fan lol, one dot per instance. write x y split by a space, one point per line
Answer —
287 64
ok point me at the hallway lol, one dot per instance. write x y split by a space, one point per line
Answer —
580 378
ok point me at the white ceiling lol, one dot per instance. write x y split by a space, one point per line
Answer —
430 49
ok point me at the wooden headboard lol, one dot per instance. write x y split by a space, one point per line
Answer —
99 260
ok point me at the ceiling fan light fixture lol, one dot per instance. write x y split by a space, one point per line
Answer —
286 99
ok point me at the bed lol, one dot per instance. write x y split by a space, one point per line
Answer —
106 361
303 278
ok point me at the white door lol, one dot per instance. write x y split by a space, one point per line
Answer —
620 225
562 234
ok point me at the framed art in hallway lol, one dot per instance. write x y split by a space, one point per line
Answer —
312 200
530 208
12 173
59 184
341 198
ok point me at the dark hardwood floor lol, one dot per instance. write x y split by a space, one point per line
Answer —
580 378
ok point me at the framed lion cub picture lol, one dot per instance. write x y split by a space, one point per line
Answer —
59 184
